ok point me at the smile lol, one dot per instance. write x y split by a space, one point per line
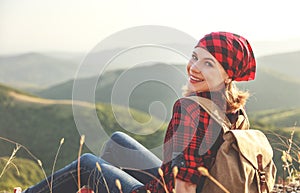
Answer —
195 80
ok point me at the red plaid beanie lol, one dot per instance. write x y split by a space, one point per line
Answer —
233 52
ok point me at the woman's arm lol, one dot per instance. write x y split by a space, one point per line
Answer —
185 133
184 187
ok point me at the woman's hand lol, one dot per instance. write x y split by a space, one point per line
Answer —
184 187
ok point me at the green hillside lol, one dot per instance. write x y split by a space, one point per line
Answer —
278 125
40 124
277 118
22 173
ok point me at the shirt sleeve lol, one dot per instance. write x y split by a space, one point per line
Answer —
188 132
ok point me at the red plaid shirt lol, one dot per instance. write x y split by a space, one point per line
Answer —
192 140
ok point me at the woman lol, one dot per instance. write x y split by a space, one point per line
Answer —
192 138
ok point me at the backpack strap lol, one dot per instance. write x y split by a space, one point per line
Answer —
262 174
213 110
242 122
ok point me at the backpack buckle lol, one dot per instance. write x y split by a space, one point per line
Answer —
261 173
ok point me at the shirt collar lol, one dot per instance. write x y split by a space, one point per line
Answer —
218 97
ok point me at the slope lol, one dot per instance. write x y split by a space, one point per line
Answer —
40 124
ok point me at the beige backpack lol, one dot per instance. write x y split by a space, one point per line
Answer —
244 161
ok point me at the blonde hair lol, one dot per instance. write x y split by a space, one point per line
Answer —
234 97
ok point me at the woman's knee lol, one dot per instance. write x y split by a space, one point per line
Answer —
89 160
119 136
86 156
122 139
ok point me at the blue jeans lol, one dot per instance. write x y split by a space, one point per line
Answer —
122 158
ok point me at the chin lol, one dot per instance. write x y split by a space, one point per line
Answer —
197 90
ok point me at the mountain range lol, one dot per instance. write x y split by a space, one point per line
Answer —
273 88
52 76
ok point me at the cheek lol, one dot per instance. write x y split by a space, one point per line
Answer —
214 77
188 67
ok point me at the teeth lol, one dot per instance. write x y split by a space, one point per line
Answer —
196 79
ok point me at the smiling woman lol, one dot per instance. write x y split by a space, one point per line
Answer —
192 138
214 66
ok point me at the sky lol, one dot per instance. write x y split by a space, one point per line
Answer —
79 25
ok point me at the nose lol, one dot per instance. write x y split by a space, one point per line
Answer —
195 68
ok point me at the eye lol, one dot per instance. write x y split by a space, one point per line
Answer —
194 57
209 64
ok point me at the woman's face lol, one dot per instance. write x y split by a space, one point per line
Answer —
205 73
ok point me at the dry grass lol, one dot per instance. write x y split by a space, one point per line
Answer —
18 146
290 154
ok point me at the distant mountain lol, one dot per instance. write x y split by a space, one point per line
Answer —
277 83
270 89
157 82
34 70
286 65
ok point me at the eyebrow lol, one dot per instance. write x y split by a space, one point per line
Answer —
209 59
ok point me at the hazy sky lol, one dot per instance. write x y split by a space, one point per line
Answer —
78 25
